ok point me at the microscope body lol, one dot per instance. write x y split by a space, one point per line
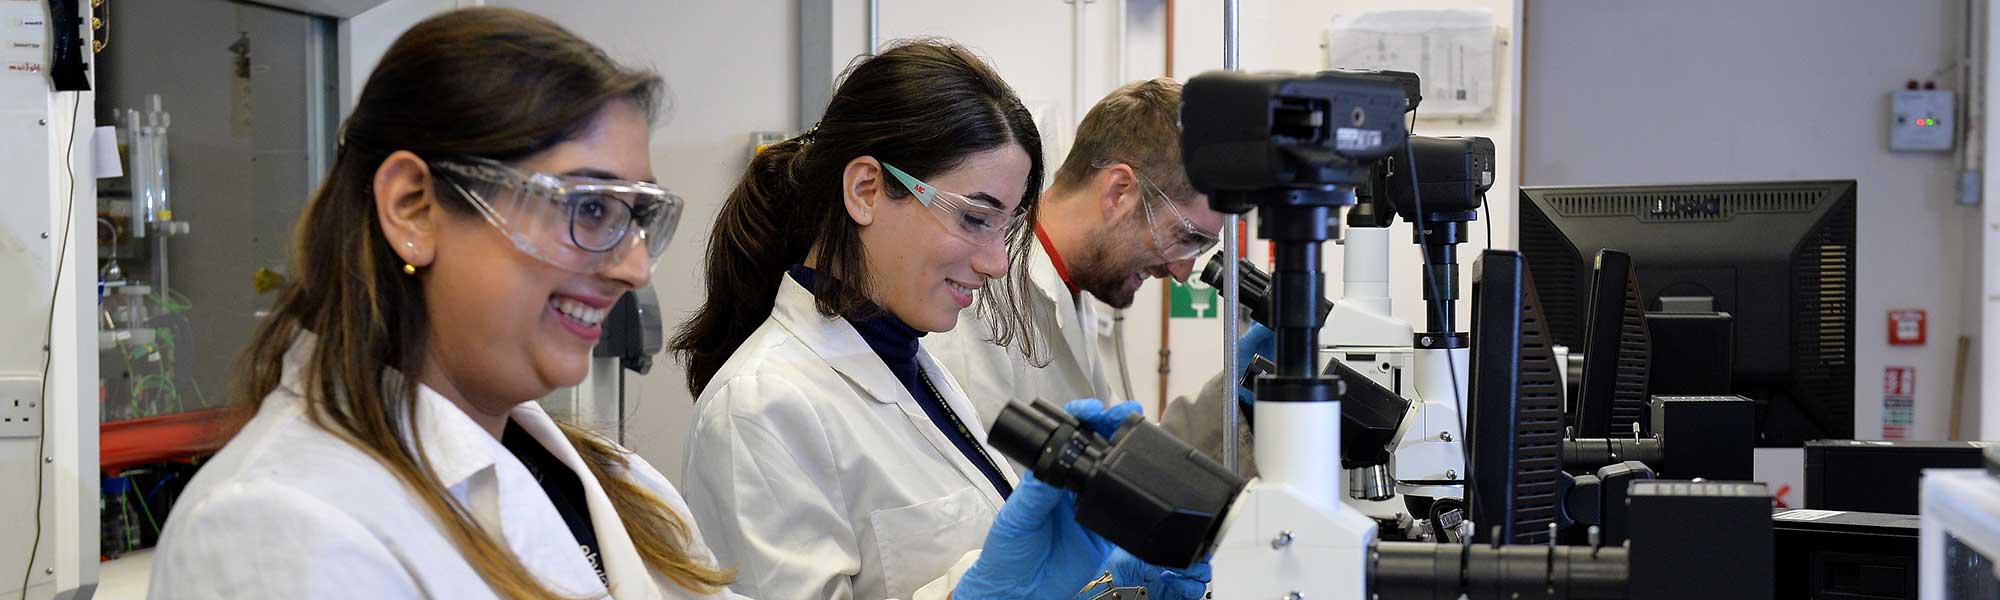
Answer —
1294 148
1288 532
1429 459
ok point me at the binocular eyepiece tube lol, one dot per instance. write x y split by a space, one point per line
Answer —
1149 493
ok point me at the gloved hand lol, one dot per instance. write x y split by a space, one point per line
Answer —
1101 421
1161 583
1259 340
1035 549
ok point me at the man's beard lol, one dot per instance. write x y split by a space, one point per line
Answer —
1108 263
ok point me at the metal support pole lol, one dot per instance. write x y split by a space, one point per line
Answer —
1231 248
874 27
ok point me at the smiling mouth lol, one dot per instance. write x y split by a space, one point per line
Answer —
960 288
579 312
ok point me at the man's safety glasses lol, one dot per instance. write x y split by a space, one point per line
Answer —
1174 237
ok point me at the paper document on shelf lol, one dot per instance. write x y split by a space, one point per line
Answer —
1452 50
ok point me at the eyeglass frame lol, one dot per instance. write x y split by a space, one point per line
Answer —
558 188
1202 242
929 196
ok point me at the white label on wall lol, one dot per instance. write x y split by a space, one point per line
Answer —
1452 50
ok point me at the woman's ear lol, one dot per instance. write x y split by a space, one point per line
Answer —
861 189
405 208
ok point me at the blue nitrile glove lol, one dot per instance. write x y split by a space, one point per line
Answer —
1035 549
1101 421
1161 583
1259 340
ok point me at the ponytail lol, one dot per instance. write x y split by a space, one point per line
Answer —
756 236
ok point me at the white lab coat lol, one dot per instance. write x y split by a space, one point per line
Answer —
1074 337
288 510
816 474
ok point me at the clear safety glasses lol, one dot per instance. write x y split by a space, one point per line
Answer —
574 223
970 220
1174 237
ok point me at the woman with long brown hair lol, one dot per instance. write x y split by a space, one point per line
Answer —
488 203
831 457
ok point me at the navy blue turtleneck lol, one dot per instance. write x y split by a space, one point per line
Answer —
896 343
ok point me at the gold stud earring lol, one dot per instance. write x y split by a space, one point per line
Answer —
409 269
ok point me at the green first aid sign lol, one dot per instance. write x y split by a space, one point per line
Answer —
1187 301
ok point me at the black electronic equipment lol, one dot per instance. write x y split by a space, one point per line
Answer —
1879 475
1692 349
1370 413
633 331
1515 420
1612 396
1845 555
1779 257
1143 489
1253 288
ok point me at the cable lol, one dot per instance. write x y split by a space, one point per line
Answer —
1435 288
1487 216
48 340
133 493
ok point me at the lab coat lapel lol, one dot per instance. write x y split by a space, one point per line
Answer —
836 342
1075 336
954 396
627 572
454 445
465 459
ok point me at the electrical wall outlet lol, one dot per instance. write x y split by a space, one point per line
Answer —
20 406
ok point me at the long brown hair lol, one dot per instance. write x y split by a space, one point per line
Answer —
481 82
923 105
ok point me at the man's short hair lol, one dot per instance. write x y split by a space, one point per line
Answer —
1137 124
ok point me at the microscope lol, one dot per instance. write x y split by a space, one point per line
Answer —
1368 347
1295 148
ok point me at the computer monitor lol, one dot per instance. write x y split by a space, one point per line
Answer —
1777 256
1515 419
1611 399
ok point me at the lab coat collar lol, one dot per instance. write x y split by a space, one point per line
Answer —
455 446
626 570
459 449
1067 307
836 342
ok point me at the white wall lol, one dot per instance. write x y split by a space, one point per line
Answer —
729 66
1720 90
1984 309
365 36
1287 35
60 468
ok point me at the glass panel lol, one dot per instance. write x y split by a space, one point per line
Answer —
1968 573
221 120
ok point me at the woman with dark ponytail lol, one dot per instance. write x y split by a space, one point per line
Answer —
488 203
831 457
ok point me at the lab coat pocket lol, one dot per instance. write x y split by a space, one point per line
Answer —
919 542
